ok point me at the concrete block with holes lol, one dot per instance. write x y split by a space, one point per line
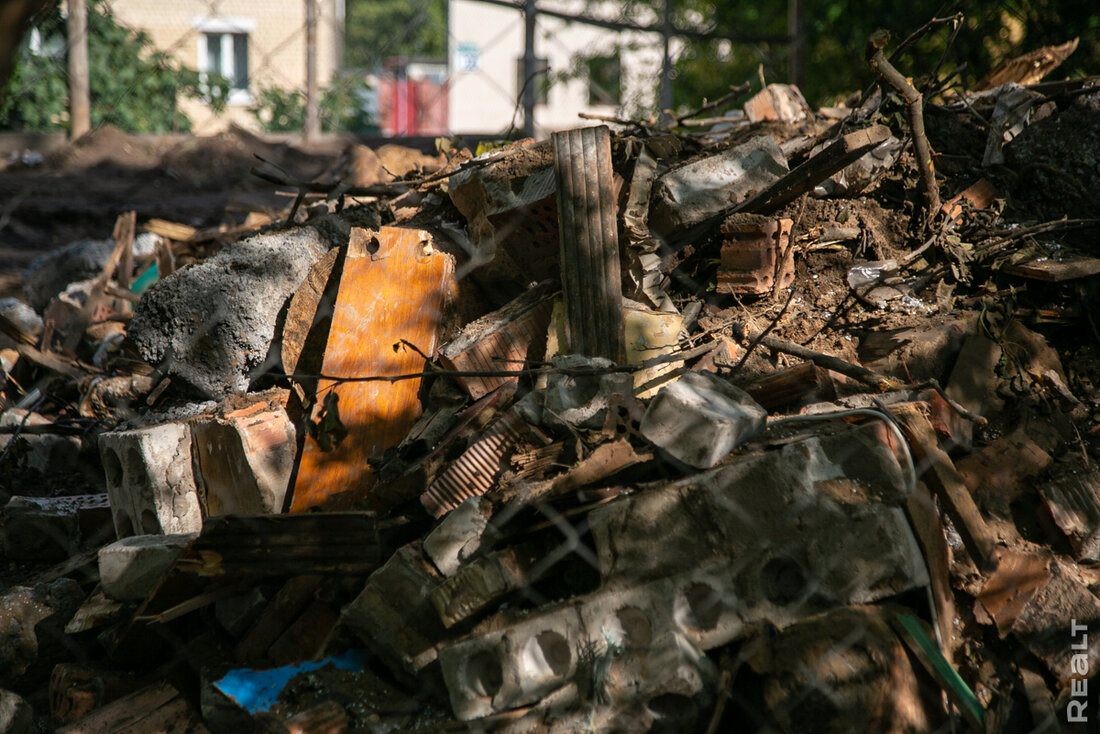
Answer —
772 538
514 666
54 528
393 615
669 680
150 480
818 505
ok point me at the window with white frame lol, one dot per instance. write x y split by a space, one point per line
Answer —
223 49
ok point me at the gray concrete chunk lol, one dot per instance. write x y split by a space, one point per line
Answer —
211 325
131 568
700 418
690 193
49 274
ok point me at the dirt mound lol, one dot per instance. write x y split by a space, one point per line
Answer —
104 145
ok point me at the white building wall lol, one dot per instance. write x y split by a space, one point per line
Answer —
486 41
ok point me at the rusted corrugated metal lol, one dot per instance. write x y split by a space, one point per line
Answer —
394 286
477 470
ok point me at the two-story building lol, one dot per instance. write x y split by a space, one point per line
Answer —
253 43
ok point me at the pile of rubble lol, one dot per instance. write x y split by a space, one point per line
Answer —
623 431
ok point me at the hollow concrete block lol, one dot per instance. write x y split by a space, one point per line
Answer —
512 667
393 614
150 480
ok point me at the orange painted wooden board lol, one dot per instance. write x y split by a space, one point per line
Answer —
394 286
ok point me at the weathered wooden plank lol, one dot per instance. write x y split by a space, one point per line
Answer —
394 287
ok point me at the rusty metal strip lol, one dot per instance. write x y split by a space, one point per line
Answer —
590 274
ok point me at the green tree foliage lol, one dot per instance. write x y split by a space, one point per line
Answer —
377 29
343 108
836 31
133 85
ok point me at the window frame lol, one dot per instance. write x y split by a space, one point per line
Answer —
597 94
227 31
541 80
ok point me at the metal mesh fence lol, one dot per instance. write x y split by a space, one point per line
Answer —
544 557
260 54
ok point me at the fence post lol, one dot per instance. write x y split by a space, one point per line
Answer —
666 61
80 107
797 41
313 101
529 12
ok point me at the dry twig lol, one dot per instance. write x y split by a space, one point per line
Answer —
878 63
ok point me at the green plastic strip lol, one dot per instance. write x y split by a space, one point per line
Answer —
146 279
949 674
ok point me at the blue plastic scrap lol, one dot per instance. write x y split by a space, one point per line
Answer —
256 691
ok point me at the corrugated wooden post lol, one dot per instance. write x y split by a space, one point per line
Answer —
590 276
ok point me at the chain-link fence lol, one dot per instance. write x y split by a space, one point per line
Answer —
569 549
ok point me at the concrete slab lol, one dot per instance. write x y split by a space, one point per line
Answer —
130 568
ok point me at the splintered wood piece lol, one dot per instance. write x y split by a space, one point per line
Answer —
394 287
590 274
501 341
327 717
929 531
159 708
942 476
804 381
124 243
170 230
840 153
291 600
1071 267
1029 68
281 545
305 638
302 311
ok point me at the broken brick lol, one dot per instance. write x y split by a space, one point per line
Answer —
244 459
781 102
757 256
502 341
